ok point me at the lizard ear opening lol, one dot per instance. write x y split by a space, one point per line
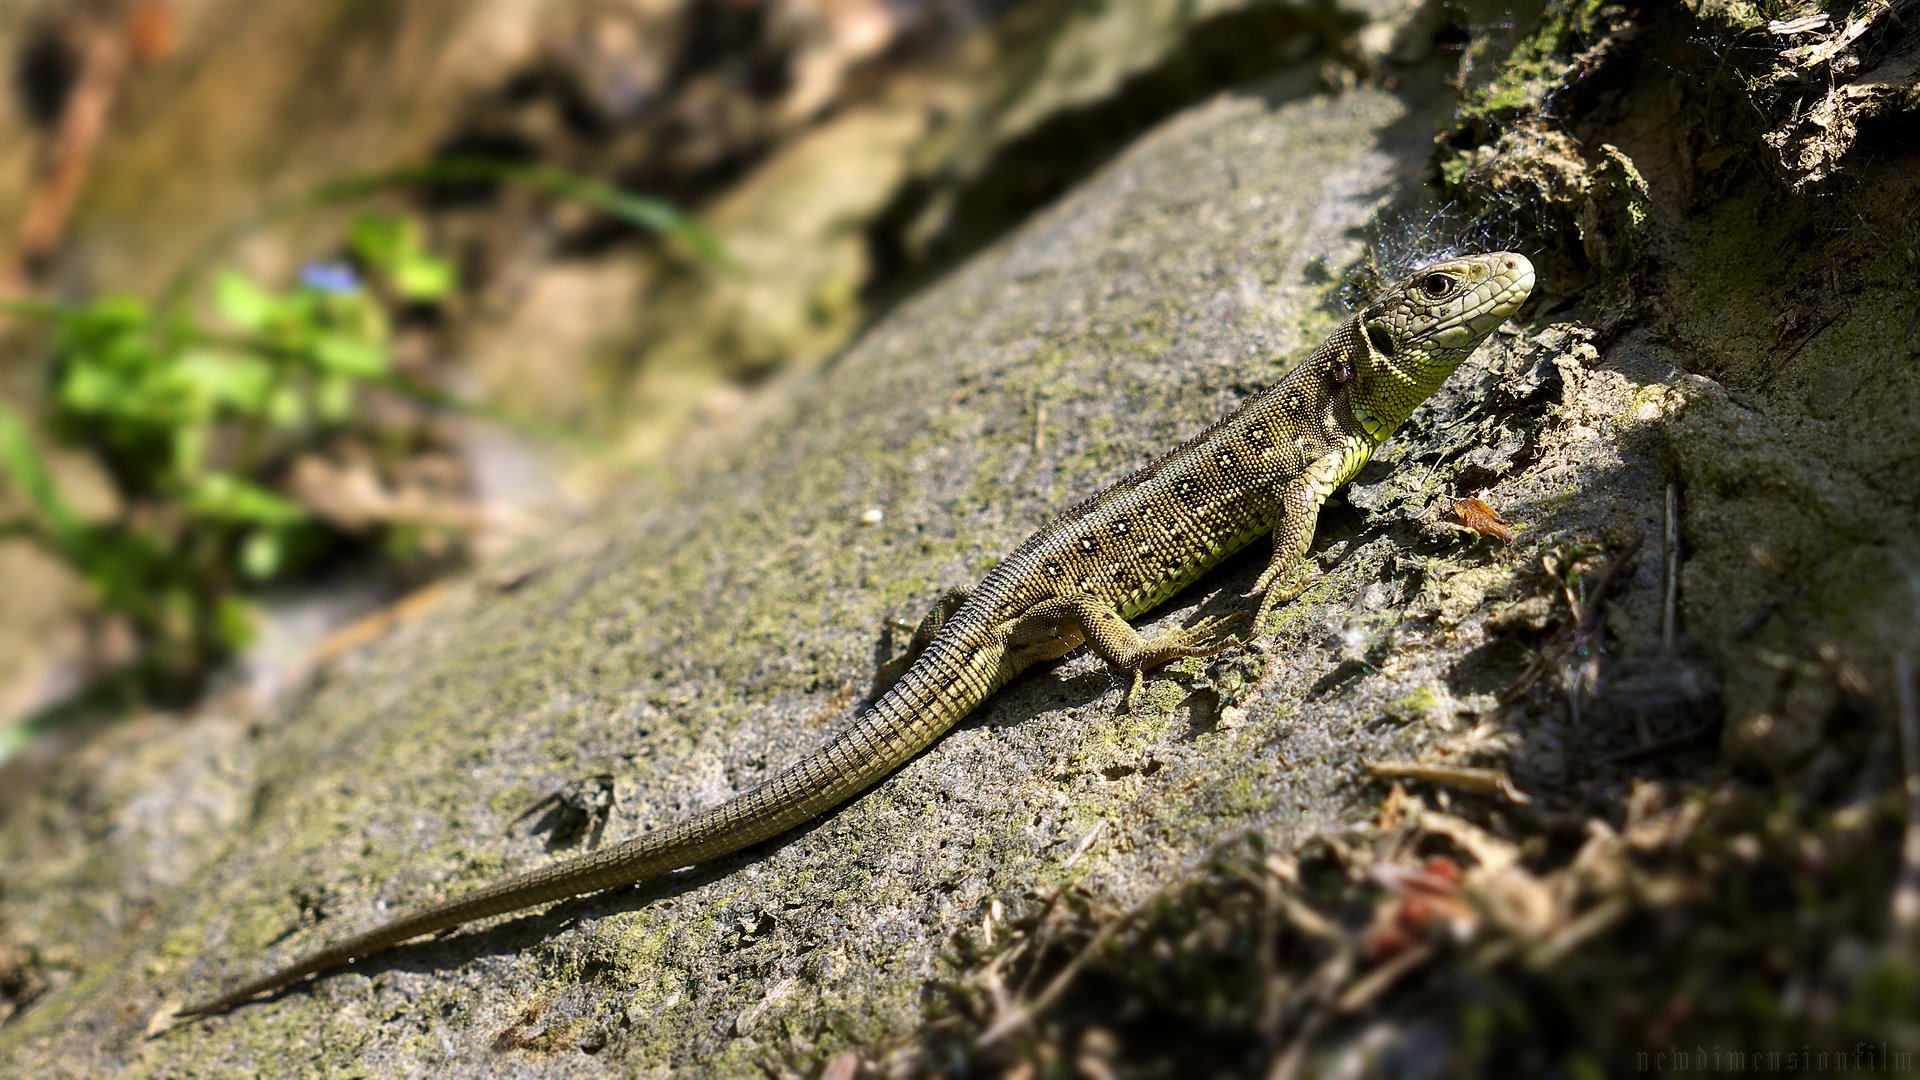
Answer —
1381 340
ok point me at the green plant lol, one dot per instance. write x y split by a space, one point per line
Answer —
188 421
192 421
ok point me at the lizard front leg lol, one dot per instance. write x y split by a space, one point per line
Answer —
1300 513
1115 640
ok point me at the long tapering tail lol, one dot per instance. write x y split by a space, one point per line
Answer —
928 699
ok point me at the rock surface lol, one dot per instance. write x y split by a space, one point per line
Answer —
700 634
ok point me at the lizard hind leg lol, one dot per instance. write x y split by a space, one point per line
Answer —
891 667
1272 594
1115 640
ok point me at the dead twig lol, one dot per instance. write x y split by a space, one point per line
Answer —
1322 992
1670 539
1578 932
1085 843
1586 603
1781 364
107 45
1473 781
1380 979
1022 1013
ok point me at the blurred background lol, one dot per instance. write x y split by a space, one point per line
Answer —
321 317
309 303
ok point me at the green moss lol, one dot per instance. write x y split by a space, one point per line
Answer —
1738 15
1160 695
1537 64
1420 702
1122 734
1307 605
1242 795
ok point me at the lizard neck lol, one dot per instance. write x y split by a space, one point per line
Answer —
1387 388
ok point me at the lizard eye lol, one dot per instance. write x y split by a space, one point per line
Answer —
1436 285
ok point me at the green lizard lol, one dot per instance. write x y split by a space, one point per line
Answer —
1267 468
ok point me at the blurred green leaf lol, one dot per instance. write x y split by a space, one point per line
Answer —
245 304
337 354
91 388
263 554
15 738
233 622
189 450
393 246
638 210
227 497
650 214
28 472
239 382
381 239
333 398
285 407
425 279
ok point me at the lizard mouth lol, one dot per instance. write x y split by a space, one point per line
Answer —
1507 287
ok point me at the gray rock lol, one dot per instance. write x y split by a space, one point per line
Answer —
702 632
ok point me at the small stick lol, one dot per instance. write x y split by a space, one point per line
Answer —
1473 781
1669 612
1022 1014
1085 843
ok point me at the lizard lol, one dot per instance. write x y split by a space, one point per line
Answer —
1267 468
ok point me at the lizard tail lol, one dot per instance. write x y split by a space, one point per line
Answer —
941 687
498 898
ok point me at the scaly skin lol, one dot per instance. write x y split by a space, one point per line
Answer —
1266 468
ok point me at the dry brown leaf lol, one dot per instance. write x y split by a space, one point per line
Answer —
1476 516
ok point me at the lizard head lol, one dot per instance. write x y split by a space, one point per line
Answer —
1422 327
